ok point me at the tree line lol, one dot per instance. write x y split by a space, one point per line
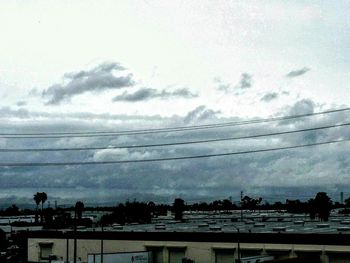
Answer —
318 207
141 212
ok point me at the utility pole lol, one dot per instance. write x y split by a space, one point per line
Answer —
75 237
67 250
238 245
101 242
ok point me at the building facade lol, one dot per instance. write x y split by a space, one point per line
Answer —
203 247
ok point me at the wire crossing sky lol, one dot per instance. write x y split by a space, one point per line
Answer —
174 143
124 81
170 158
160 130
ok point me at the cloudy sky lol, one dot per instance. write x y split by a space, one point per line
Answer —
81 66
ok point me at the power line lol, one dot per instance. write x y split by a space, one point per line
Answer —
169 158
47 135
174 143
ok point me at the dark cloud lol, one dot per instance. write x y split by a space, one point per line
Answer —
102 77
140 95
221 85
322 167
269 96
182 93
8 112
200 113
304 106
21 103
246 81
224 86
148 93
301 107
297 73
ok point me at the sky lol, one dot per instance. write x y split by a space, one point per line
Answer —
81 66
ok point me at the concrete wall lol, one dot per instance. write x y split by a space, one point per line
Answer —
201 252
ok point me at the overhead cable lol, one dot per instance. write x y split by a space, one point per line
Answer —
40 164
173 143
48 135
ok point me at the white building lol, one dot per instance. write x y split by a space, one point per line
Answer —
201 247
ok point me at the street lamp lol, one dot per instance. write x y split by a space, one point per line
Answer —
238 245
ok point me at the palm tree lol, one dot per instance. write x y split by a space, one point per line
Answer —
43 198
37 199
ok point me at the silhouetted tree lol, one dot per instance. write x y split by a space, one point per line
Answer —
37 199
312 208
48 215
178 207
129 212
203 206
227 205
79 208
278 205
43 198
151 206
250 203
217 205
323 205
12 210
297 206
347 202
2 239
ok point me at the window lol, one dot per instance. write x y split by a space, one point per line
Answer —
176 255
45 250
279 254
250 252
338 257
310 256
224 255
157 253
